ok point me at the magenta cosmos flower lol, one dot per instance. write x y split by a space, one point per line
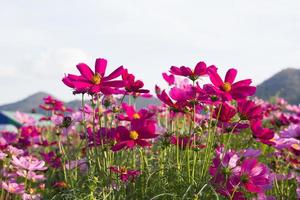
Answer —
224 112
181 99
132 86
94 82
254 176
248 110
28 163
227 89
199 70
265 135
132 114
125 174
138 134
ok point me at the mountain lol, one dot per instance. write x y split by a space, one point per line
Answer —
285 83
32 102
28 104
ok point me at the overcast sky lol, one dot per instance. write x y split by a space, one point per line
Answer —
42 40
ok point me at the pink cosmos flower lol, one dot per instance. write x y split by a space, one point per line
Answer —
132 114
25 119
30 175
254 176
28 163
29 131
199 70
132 86
125 174
52 159
138 134
248 110
52 104
15 151
13 187
227 89
178 106
224 112
94 82
263 134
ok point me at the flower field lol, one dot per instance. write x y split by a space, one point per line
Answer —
211 138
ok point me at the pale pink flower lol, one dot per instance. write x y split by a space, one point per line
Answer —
28 163
13 187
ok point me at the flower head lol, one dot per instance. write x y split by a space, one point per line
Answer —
28 163
125 174
199 70
94 82
228 89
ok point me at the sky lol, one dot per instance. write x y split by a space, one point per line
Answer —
40 41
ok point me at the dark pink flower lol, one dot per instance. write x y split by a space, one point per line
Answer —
224 112
94 82
132 114
254 176
178 106
138 134
263 134
125 174
227 89
199 70
52 159
132 86
248 110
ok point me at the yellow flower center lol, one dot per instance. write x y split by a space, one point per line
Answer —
134 135
136 116
96 79
123 170
226 87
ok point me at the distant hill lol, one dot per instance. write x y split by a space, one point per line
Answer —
32 102
285 83
28 104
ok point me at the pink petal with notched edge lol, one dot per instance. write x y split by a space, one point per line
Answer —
100 66
67 81
214 77
200 69
230 75
116 73
85 71
175 70
186 71
245 82
170 79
